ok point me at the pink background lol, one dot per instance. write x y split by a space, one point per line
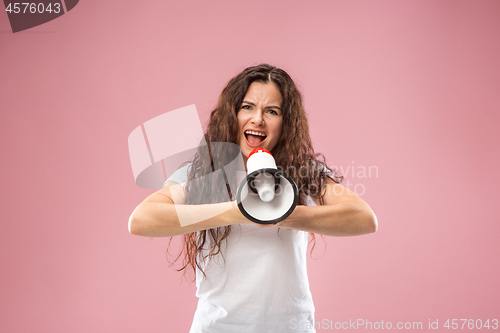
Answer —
410 87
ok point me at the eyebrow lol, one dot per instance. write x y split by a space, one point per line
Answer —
267 107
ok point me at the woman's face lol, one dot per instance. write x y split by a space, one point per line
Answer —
260 119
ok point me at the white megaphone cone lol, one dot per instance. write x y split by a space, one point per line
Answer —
266 195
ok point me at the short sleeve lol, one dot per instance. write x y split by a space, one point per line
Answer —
180 176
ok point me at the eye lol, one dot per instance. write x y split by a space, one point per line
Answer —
246 107
273 112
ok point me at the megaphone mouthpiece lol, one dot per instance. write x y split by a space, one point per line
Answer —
265 185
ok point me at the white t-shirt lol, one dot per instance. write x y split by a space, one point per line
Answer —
258 285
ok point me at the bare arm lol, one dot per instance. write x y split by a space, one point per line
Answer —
342 214
158 216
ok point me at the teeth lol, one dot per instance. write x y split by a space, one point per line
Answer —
255 133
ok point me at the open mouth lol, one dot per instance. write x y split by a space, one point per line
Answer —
254 138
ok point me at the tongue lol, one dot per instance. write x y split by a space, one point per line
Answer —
254 139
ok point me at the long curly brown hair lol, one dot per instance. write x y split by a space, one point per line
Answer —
293 153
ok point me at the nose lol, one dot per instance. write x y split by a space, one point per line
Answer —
257 118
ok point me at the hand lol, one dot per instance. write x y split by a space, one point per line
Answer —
236 216
266 225
239 218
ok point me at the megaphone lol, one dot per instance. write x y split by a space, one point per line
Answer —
267 195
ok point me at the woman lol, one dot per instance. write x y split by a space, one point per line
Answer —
252 278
